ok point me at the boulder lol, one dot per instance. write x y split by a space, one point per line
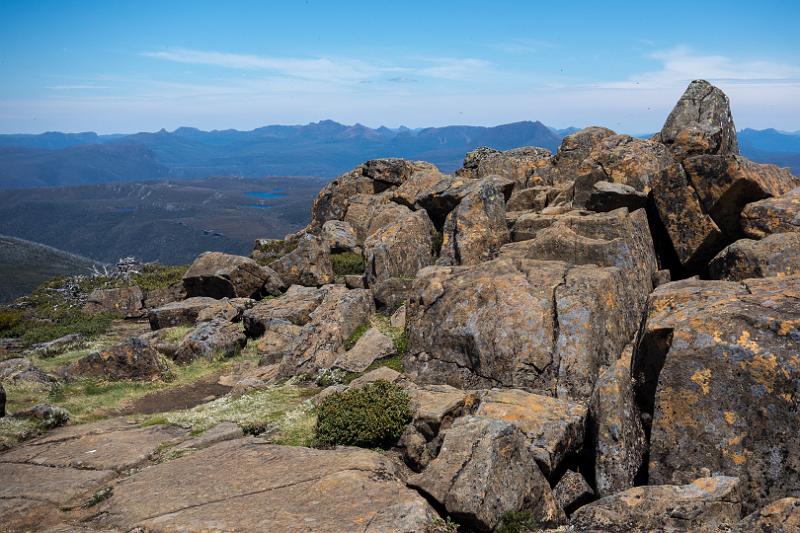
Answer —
57 346
47 416
218 275
390 170
706 504
773 215
392 293
125 302
533 198
476 229
219 487
775 255
530 320
526 166
309 264
572 491
187 312
717 366
339 236
333 200
272 346
398 318
606 196
447 193
216 338
382 373
293 307
400 248
700 123
164 295
134 359
368 213
781 516
615 428
484 471
321 341
574 149
554 429
21 371
266 251
371 346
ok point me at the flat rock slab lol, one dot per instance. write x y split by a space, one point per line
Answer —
248 485
117 450
57 486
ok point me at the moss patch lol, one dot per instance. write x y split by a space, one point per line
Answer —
157 276
357 334
346 263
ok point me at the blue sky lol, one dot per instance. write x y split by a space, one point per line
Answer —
113 66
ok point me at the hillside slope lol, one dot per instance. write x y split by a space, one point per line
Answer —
26 264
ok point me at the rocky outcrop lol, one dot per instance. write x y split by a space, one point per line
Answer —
21 371
616 433
706 504
700 123
528 319
527 166
476 229
134 359
308 264
339 236
216 338
125 302
782 516
572 491
218 275
773 215
775 255
189 311
399 248
727 355
484 471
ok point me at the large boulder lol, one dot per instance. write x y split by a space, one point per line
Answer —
293 307
125 302
372 345
775 255
717 366
700 123
554 428
615 428
530 320
572 491
308 264
773 215
782 516
476 229
574 149
215 338
706 504
440 199
340 236
187 312
526 166
333 200
133 359
484 471
400 248
219 275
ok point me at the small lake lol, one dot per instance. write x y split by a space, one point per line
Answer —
258 206
267 195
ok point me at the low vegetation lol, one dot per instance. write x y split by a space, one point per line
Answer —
347 263
372 416
157 276
269 251
517 522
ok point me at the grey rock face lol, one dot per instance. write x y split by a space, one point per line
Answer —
309 264
189 311
773 215
371 346
216 338
572 491
700 123
484 471
126 302
400 248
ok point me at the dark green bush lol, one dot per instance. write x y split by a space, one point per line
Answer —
88 325
10 320
372 416
517 522
346 263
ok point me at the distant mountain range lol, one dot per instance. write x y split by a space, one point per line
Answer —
25 264
320 149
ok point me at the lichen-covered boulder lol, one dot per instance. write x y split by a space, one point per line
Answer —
126 302
340 236
440 199
575 148
717 366
308 264
615 428
572 491
476 229
706 504
553 428
216 338
133 359
700 123
333 200
400 248
219 275
484 471
372 345
775 255
781 516
773 215
525 166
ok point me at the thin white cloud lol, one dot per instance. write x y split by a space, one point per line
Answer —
681 65
76 87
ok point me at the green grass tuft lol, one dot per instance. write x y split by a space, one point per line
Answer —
517 522
157 276
357 334
346 263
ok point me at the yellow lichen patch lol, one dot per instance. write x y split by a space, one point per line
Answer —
730 417
787 326
745 341
786 396
737 458
763 370
735 441
707 484
703 379
677 412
